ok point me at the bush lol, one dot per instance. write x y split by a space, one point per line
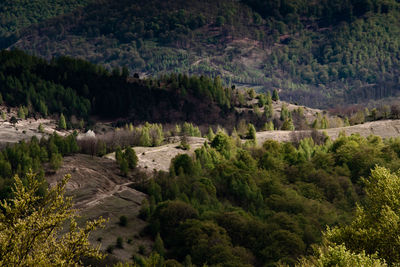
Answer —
123 221
119 243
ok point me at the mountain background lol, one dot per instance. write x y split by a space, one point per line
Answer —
320 53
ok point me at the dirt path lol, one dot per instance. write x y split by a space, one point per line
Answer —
98 190
102 195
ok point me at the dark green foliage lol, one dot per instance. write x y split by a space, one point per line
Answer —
251 134
62 124
126 160
119 243
143 38
21 157
75 87
222 144
123 221
159 245
131 157
264 205
275 95
349 47
182 164
18 14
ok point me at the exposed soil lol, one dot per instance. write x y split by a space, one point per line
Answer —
384 129
98 190
159 158
24 129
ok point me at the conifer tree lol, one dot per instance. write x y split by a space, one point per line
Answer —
131 157
288 125
159 245
62 124
145 139
21 113
275 95
251 132
210 134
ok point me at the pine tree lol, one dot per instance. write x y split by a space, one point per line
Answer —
62 124
131 157
124 167
21 113
268 111
159 245
210 134
269 126
287 125
284 112
251 132
275 95
145 139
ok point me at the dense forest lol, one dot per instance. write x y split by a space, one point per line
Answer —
17 14
320 53
239 206
80 89
77 87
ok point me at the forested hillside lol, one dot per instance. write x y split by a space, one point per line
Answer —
77 87
236 206
18 14
320 53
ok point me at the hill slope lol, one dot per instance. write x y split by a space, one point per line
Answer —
320 53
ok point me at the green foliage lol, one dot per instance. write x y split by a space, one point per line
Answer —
349 47
41 128
56 161
222 144
251 134
270 204
126 160
287 125
17 15
131 157
21 113
20 158
275 95
159 245
42 230
375 227
76 87
338 255
189 129
62 124
210 134
182 163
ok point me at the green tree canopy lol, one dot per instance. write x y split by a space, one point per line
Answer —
32 228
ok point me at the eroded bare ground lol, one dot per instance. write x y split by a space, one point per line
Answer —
98 190
384 129
24 129
159 158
